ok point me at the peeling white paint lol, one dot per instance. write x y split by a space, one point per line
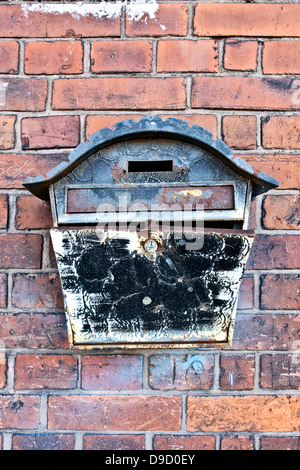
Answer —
3 88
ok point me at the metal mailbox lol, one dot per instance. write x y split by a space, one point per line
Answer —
150 235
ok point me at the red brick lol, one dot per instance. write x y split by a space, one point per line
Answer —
113 442
121 56
3 210
3 290
9 57
58 21
36 330
281 212
243 413
37 291
50 132
163 20
237 372
7 132
279 332
45 371
43 441
274 252
2 370
244 93
20 251
280 443
229 19
280 292
96 122
282 132
114 413
237 443
184 442
108 372
33 213
23 94
19 411
49 58
240 55
15 167
246 293
182 372
187 56
281 57
119 93
284 168
280 371
239 131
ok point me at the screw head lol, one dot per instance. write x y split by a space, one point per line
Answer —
150 246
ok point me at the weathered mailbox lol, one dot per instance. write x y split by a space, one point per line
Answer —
150 235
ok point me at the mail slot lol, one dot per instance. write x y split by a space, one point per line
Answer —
150 235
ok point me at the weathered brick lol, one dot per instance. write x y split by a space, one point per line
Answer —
121 56
240 55
176 442
57 57
56 20
237 372
280 443
7 132
20 251
26 330
282 132
15 167
279 292
163 20
243 413
108 372
281 57
239 131
114 413
113 442
45 371
119 93
181 372
50 132
230 19
19 411
2 370
23 94
281 212
285 168
187 56
279 332
3 210
274 252
244 93
96 122
280 371
246 293
32 213
43 441
9 57
237 443
37 291
3 290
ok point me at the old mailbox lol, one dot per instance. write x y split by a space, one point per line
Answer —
150 235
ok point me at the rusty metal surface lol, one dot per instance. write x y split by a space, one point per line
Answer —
145 198
120 291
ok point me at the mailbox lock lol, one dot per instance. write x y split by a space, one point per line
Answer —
150 246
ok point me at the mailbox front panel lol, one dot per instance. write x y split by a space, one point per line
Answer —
123 289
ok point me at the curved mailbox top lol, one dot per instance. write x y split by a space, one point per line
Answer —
155 127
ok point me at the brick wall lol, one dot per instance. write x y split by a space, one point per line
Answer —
229 67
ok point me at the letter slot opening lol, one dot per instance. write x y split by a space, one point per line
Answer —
150 166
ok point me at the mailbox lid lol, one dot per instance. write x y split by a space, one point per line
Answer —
183 293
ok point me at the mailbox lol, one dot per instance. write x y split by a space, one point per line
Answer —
150 235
